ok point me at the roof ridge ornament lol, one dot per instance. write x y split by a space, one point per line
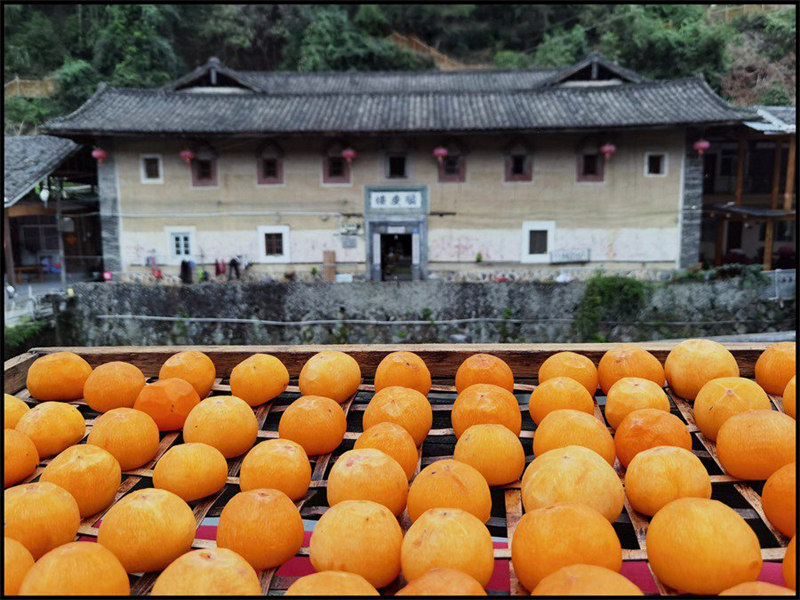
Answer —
212 68
594 60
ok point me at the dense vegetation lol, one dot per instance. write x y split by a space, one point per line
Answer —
751 59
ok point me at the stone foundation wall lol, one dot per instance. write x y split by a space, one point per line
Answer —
412 312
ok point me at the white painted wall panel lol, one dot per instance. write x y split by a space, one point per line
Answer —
305 246
504 245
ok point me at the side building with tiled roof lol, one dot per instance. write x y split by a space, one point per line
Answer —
403 175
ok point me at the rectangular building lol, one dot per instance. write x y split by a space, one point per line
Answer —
403 175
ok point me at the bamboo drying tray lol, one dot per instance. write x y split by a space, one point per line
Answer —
443 361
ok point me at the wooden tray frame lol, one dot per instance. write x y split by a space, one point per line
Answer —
442 360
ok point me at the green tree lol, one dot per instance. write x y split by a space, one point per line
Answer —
135 48
371 20
562 48
76 81
31 44
22 115
143 45
777 31
332 43
666 41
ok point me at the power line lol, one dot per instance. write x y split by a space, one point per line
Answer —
130 317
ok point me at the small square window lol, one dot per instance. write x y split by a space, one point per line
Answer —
269 168
335 167
518 164
655 164
590 164
450 166
273 244
181 245
151 168
537 241
204 169
397 167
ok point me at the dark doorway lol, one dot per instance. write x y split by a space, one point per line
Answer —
709 173
735 235
396 257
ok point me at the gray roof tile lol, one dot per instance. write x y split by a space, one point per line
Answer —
394 82
28 159
133 111
787 114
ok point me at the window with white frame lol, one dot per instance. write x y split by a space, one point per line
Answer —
150 168
181 243
273 241
655 164
537 241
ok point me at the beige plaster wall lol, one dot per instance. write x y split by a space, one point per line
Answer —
627 217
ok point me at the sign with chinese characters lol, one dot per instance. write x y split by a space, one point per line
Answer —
570 255
395 200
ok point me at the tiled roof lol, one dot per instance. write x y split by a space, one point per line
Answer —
787 114
774 120
133 111
400 82
29 159
397 82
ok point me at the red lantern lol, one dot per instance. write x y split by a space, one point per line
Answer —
108 275
349 155
100 154
701 146
187 156
440 152
607 150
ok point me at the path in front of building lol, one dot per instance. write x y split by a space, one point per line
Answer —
27 300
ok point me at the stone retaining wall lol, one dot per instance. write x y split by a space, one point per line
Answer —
413 312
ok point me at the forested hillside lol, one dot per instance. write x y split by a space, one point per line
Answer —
751 59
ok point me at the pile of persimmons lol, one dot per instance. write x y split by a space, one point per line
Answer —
574 489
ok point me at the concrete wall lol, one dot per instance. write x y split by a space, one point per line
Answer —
627 218
501 312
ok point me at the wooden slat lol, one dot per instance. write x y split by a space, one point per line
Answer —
15 371
265 579
686 412
126 486
317 476
513 500
640 523
755 501
442 359
144 584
